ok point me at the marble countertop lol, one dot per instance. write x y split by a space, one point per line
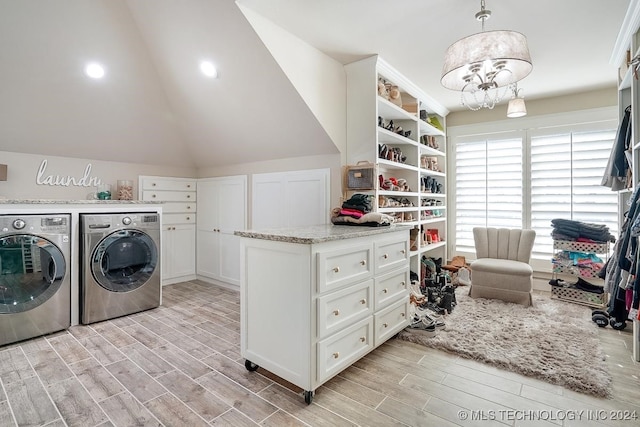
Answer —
75 202
319 233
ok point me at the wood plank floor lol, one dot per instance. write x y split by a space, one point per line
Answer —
180 365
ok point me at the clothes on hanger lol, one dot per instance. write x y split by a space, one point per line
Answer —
615 174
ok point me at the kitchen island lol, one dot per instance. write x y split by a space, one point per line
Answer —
316 299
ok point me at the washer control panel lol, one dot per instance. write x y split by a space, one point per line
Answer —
52 224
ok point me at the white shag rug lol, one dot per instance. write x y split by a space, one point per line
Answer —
552 340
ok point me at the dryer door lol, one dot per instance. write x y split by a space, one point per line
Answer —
124 260
31 272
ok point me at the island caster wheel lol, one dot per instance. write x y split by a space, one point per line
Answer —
308 397
250 366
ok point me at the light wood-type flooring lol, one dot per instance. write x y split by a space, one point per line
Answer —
180 365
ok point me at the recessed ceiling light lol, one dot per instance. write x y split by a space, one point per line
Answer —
94 70
208 69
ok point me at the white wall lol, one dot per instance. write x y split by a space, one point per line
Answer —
22 175
318 78
537 107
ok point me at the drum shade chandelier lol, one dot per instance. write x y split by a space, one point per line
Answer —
485 66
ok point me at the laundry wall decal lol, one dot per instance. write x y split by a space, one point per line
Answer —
86 180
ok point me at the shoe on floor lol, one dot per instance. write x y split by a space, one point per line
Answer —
424 326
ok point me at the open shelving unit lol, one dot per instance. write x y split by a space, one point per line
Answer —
421 143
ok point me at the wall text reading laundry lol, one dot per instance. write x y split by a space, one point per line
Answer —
64 181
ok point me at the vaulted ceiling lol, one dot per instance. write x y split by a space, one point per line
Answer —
155 107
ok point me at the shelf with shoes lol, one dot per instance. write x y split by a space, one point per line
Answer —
579 259
399 129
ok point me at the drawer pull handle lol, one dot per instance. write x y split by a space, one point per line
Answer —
188 196
153 185
336 269
402 251
401 314
188 185
336 312
188 218
385 256
336 355
386 325
363 262
403 284
362 339
385 290
363 301
188 207
153 195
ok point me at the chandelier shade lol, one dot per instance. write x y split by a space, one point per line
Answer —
484 66
516 108
486 60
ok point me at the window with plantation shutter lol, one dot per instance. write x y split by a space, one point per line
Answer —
489 191
566 172
526 178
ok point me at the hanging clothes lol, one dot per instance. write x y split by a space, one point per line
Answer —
622 267
615 174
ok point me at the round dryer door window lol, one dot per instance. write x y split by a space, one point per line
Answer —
31 272
125 260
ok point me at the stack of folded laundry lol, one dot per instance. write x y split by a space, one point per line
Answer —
566 229
357 211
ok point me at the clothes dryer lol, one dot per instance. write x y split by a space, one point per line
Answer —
35 284
120 264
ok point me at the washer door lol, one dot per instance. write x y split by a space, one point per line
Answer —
31 272
124 260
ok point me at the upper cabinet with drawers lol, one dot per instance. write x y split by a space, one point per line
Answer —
312 306
179 209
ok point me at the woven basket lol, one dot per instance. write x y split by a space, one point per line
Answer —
594 248
361 176
579 296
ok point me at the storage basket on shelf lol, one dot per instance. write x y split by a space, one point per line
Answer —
361 176
572 294
579 296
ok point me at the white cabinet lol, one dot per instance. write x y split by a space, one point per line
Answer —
406 144
290 199
313 303
221 211
179 210
179 252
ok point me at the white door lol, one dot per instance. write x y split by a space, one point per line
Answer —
222 210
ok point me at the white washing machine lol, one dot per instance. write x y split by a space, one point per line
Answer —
120 264
35 283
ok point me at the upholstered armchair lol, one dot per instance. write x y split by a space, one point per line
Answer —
501 269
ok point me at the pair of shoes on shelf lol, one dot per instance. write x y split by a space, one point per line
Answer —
581 284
